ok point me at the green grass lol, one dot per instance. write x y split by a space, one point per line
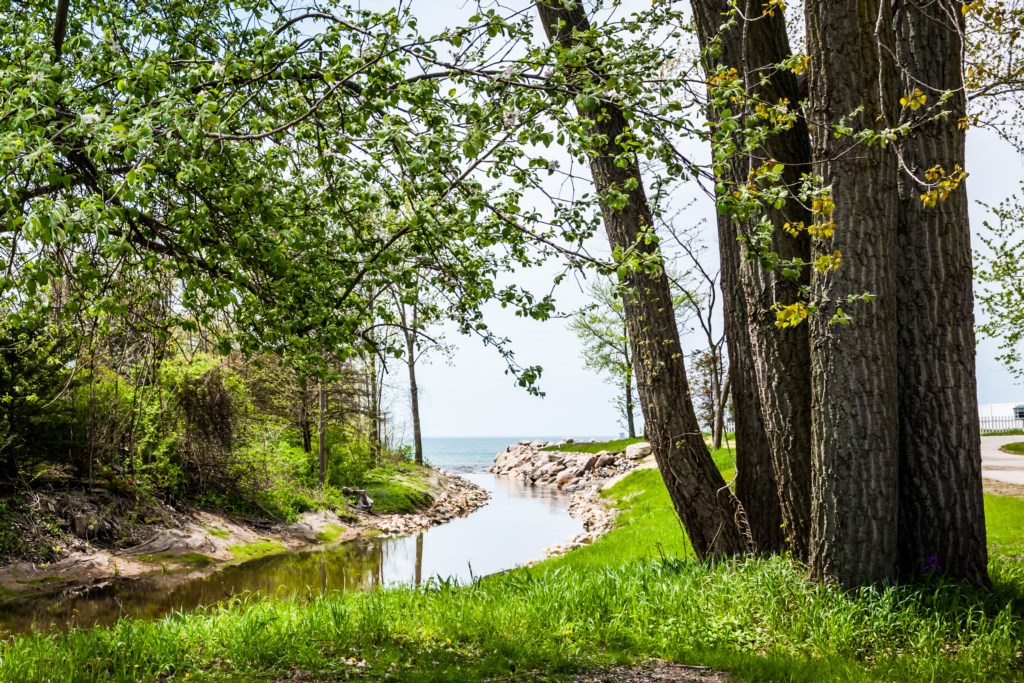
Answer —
219 533
250 551
399 489
634 594
1016 448
1004 518
610 446
332 533
1005 432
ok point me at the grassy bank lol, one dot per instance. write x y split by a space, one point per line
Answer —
636 593
1016 448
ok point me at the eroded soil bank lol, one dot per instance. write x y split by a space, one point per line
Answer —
105 538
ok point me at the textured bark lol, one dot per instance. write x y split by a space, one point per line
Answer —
941 518
756 485
854 454
778 366
720 400
630 420
322 436
414 393
710 513
305 424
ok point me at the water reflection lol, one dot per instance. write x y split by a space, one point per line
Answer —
513 528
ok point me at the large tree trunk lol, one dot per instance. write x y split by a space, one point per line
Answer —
778 366
854 455
941 515
756 484
710 513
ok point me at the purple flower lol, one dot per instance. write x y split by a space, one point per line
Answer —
931 565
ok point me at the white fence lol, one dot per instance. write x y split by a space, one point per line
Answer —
1000 424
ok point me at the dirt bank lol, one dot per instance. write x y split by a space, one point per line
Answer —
101 542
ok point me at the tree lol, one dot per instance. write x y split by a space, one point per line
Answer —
709 512
941 509
743 49
870 131
709 370
602 329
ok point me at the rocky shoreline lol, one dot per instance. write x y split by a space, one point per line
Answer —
459 498
581 474
170 552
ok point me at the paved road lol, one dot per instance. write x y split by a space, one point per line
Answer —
995 464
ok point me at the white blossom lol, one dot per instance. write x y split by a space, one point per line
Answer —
217 68
90 118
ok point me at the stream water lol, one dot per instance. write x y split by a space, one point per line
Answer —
514 527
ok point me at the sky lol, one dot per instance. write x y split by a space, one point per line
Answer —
471 395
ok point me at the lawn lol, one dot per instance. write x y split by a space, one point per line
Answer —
610 446
636 593
1017 448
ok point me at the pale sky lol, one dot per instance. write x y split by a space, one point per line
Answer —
474 397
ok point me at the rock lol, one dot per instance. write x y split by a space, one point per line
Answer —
538 444
604 460
590 463
566 477
85 526
636 451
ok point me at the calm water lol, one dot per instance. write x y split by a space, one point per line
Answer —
512 529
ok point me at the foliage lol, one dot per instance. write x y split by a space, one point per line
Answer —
601 328
35 371
1001 296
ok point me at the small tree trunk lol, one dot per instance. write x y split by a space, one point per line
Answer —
720 401
854 455
414 395
376 447
710 513
630 420
305 423
322 434
941 513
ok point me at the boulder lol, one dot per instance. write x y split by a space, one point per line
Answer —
567 477
636 451
604 459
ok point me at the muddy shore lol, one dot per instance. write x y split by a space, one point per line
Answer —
182 545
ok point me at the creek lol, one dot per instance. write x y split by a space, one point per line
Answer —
513 528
